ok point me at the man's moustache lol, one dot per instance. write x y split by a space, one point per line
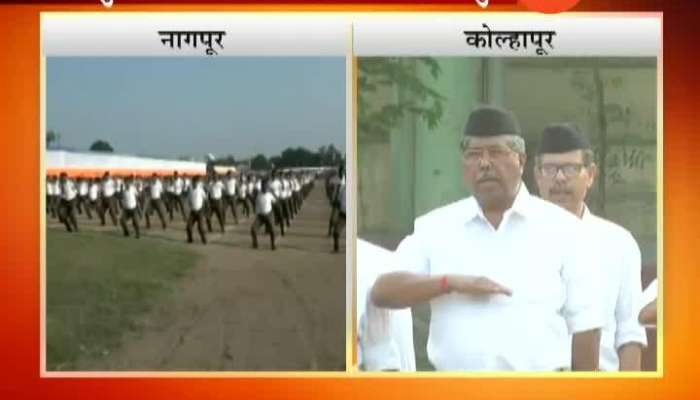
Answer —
560 191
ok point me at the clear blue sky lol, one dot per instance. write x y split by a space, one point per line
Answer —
169 107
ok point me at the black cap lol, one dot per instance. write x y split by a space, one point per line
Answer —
562 138
487 121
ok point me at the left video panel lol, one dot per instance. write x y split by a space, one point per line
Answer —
194 193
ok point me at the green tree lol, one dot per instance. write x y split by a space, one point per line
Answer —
101 145
275 161
52 138
400 75
259 162
329 155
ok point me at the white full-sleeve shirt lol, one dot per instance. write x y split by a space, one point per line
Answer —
83 188
129 196
216 189
178 186
276 187
156 189
108 187
68 190
263 203
94 191
197 196
620 286
385 336
231 186
536 252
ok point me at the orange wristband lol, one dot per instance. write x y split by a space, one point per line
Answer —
444 285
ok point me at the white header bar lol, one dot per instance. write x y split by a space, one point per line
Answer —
374 34
246 34
443 35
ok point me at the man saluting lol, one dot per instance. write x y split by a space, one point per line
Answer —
504 292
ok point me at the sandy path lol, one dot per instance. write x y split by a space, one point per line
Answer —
245 309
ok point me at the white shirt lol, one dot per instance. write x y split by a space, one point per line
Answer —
197 197
49 188
536 252
385 336
156 189
263 203
129 197
244 189
83 188
231 186
68 191
251 187
216 189
57 188
108 187
178 185
276 187
285 188
620 286
94 191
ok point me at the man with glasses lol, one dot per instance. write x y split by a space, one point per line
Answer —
504 292
565 172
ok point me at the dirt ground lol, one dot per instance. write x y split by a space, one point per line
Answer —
244 309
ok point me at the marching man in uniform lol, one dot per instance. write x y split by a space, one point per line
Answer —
130 207
332 185
197 197
216 203
264 202
178 188
82 203
276 188
94 201
230 196
339 206
242 196
155 201
109 202
51 195
66 210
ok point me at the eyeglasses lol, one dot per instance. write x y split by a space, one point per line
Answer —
474 155
569 170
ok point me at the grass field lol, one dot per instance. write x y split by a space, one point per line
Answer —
98 285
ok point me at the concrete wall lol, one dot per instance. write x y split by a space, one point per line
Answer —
415 169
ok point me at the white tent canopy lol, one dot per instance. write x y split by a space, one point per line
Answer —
94 163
